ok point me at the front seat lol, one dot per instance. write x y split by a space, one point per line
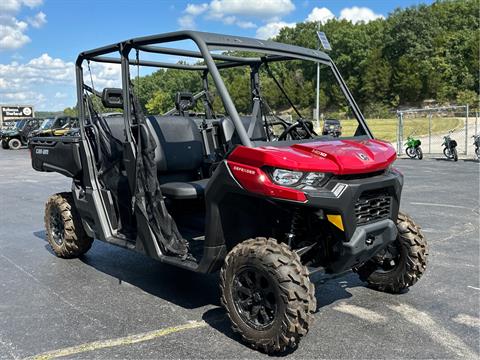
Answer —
179 156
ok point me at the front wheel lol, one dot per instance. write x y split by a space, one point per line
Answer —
477 152
14 144
267 294
419 153
411 153
4 145
454 154
447 153
402 263
65 232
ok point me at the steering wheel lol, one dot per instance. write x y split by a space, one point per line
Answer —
292 131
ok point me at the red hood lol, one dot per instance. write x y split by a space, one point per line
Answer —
336 156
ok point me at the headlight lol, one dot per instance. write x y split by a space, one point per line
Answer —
313 178
286 177
292 178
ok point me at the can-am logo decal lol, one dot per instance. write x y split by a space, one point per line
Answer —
319 153
241 169
362 156
41 151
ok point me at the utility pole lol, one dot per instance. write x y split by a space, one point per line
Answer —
317 108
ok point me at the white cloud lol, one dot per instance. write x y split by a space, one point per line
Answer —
186 22
321 15
12 32
27 97
13 6
229 20
32 3
272 29
356 14
38 20
48 83
246 24
41 70
229 11
104 75
195 10
262 8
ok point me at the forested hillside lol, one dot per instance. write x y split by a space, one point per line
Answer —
416 53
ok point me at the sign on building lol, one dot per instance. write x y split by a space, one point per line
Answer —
9 113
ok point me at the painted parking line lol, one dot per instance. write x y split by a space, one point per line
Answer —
127 340
436 332
360 312
441 205
467 320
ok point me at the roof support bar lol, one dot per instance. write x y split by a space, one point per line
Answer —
193 54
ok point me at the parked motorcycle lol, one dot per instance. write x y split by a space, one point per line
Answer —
476 143
450 149
413 149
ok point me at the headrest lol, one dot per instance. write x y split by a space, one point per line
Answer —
184 101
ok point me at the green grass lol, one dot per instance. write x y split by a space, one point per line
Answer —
386 129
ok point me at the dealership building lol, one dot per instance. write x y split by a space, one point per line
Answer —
12 113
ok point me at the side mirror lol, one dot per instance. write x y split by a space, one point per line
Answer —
112 98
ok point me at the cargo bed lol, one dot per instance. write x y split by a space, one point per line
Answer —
59 154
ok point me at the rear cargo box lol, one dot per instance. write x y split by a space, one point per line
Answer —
59 154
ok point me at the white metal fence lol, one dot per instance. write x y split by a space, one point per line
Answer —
430 125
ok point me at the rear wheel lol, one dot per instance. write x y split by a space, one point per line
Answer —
477 152
419 153
4 144
14 144
65 232
402 263
411 153
267 294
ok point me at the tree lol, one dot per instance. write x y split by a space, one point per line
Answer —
159 103
416 53
70 111
468 97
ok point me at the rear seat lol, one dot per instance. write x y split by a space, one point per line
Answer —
180 150
179 153
179 156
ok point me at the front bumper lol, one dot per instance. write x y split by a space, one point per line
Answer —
359 237
365 243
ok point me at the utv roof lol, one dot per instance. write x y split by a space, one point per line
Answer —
206 42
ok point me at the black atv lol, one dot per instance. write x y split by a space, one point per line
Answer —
332 127
57 126
206 192
17 136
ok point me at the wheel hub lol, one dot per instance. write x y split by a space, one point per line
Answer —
254 298
388 258
56 226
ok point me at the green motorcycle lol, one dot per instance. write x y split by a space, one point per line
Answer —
413 149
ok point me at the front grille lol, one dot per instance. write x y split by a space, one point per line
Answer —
372 208
359 176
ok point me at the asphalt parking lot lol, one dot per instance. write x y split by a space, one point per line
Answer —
113 303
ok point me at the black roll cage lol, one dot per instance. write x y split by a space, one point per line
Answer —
205 42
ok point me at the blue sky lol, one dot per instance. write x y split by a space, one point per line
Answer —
40 39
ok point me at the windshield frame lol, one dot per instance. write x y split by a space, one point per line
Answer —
206 43
20 124
46 124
